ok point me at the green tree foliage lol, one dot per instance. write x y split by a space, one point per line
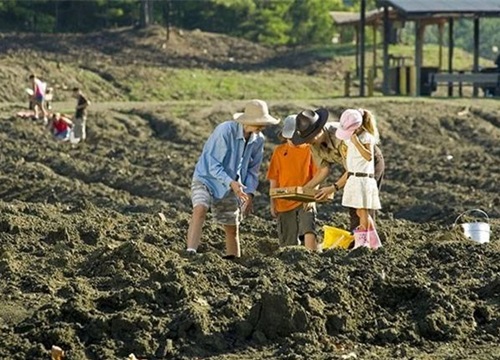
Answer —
274 22
488 33
312 23
269 23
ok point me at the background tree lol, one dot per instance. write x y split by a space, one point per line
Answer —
284 22
268 23
146 13
311 21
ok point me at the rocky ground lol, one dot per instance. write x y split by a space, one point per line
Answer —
91 244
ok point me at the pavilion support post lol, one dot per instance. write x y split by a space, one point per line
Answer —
451 45
441 35
357 51
347 84
475 68
385 85
374 63
419 47
362 40
403 80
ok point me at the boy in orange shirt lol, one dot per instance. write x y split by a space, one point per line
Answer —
292 165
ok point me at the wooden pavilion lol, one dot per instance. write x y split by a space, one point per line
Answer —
423 13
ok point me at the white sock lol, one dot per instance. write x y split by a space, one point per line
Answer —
191 250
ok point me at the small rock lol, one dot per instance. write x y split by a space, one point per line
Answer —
162 217
56 353
201 301
169 346
351 355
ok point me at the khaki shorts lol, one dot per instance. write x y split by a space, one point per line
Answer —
225 211
294 224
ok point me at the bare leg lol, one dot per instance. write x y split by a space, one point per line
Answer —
195 226
232 240
36 108
354 218
371 221
310 241
44 110
364 222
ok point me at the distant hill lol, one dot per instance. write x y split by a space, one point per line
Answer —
111 63
130 64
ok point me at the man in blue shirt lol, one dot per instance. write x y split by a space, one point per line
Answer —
227 174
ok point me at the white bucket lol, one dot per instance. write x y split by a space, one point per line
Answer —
476 231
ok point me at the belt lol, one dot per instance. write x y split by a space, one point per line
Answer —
360 174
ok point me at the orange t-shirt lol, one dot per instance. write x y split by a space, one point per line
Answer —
291 166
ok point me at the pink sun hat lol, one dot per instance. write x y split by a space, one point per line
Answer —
350 121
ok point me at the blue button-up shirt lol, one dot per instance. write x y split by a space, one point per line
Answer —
226 158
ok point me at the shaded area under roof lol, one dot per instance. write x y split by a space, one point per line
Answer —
442 7
351 18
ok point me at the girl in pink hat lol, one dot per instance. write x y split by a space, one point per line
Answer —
358 129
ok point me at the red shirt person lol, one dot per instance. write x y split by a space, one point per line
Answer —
60 127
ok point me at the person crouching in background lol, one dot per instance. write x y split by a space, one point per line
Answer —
293 165
60 127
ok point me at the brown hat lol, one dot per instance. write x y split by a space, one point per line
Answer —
308 124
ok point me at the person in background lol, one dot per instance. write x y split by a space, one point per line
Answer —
359 131
80 119
38 88
49 97
313 128
227 174
60 127
292 165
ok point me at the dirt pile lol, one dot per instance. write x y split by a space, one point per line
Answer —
126 46
89 265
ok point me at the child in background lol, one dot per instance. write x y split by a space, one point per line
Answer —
80 119
38 87
292 165
358 129
60 127
49 97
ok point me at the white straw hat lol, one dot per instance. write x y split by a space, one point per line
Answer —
256 113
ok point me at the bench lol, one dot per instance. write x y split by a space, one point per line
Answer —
486 81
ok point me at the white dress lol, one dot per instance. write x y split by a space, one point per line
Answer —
361 192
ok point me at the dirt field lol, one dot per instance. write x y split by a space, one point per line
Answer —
91 238
88 264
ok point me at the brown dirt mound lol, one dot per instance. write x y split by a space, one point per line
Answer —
126 46
88 264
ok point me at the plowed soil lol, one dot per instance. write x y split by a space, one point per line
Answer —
92 237
88 263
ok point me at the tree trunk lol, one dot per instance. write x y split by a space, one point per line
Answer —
146 11
166 16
